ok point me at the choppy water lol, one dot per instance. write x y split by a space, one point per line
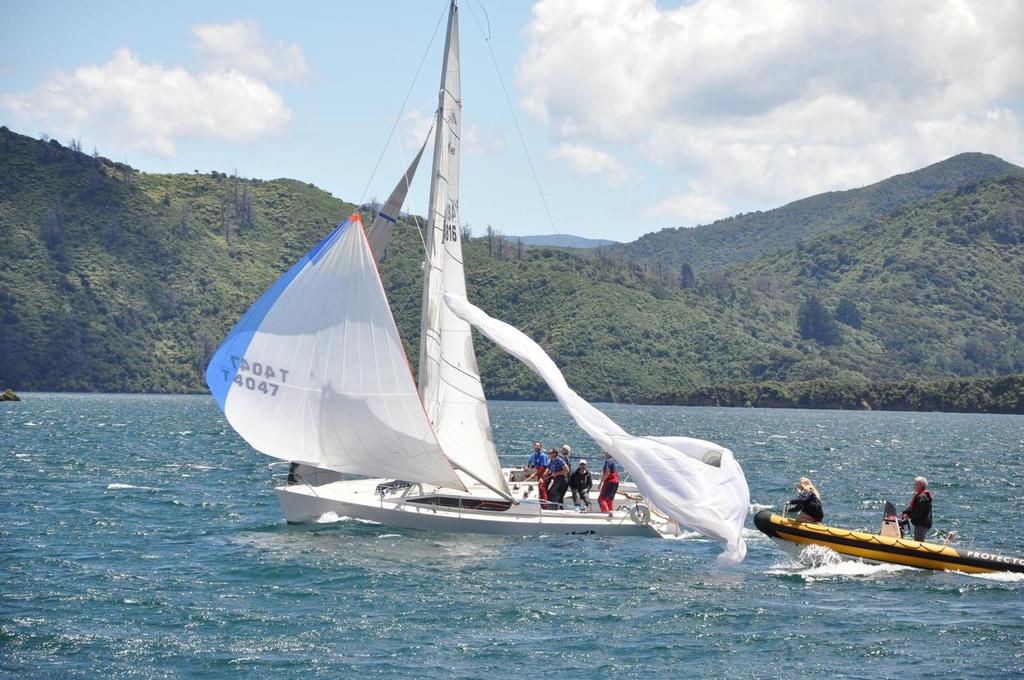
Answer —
140 538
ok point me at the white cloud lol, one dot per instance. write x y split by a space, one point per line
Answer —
128 105
480 143
239 46
589 161
413 129
697 204
771 101
416 124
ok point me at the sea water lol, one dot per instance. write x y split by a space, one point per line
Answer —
140 538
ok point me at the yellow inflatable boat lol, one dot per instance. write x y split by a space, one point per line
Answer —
792 536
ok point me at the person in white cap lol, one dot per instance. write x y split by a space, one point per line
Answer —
580 483
564 453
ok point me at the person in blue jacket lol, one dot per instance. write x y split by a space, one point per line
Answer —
537 459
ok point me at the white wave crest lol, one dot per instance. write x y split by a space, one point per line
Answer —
117 486
683 536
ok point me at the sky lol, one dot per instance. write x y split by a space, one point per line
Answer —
637 115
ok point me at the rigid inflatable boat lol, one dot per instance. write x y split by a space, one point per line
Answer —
793 535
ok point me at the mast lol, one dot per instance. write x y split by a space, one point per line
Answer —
449 380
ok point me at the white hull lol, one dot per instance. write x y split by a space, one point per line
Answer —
359 499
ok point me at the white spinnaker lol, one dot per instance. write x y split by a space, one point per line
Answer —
697 483
342 395
449 378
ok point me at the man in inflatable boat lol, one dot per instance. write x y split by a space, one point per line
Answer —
890 544
919 512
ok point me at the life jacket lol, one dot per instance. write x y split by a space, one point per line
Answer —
926 492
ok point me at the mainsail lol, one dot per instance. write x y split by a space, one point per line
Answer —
315 371
697 483
449 380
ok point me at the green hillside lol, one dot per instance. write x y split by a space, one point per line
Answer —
939 285
116 280
748 236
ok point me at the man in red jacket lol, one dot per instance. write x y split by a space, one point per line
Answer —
919 512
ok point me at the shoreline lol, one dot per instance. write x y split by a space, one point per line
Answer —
1002 395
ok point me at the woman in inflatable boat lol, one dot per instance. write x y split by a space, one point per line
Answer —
808 502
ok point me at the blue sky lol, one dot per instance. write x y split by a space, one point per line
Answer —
638 115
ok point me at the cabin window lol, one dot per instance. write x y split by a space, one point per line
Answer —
463 502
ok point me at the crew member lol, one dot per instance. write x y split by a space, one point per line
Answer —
919 512
536 455
808 502
565 453
609 483
580 483
558 480
540 473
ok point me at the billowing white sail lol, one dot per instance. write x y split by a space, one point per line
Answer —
315 371
697 483
383 226
449 379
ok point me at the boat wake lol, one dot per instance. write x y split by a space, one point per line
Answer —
1001 576
333 517
822 564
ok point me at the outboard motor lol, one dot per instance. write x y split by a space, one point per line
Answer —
890 524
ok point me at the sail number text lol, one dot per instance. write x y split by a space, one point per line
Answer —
450 231
258 376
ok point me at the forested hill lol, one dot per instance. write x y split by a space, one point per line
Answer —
116 280
561 241
748 236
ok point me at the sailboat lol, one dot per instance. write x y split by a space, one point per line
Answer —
315 374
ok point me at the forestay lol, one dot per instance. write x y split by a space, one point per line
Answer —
315 371
697 483
449 378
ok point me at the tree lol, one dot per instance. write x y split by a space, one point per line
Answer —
846 312
686 277
490 240
466 231
52 228
815 323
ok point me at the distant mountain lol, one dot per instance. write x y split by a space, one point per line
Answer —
561 241
117 280
747 236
